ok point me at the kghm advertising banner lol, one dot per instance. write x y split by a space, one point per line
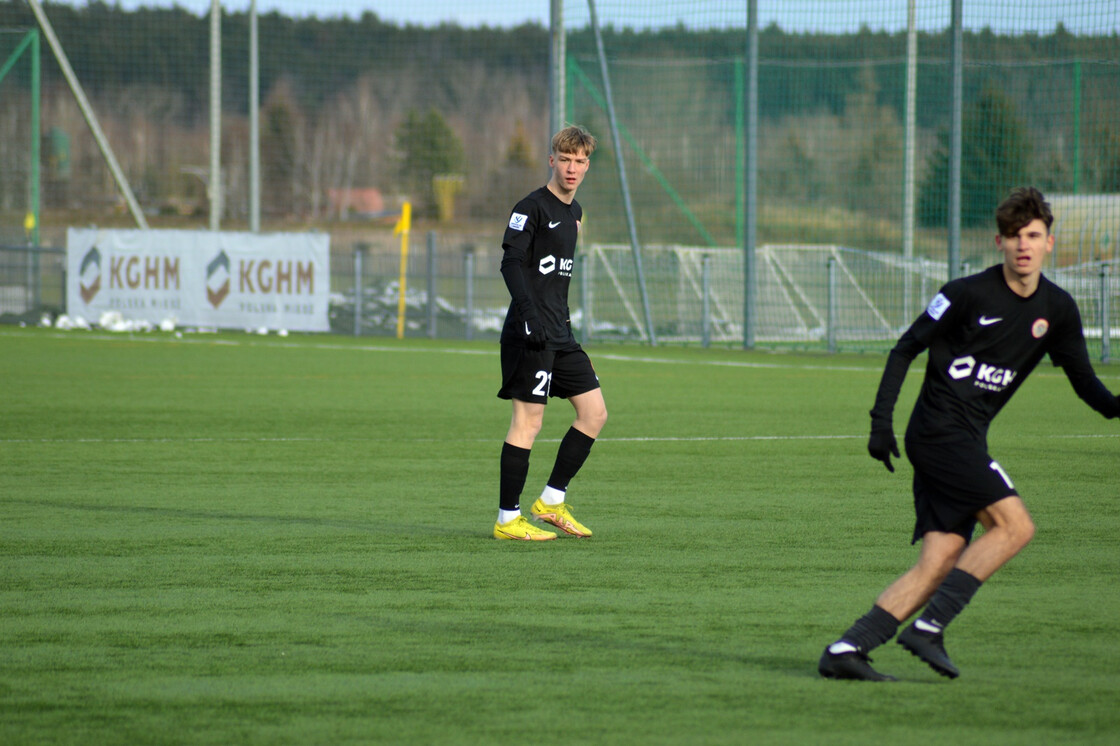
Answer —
201 278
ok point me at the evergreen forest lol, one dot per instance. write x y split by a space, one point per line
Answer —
360 104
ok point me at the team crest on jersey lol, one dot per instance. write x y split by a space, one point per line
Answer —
938 306
517 221
1039 328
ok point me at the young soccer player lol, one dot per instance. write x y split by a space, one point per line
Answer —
540 356
985 334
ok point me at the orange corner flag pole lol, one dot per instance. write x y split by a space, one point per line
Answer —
404 225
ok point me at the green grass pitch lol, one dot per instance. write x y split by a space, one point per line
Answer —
234 539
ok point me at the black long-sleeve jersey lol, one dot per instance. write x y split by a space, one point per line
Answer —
983 341
539 251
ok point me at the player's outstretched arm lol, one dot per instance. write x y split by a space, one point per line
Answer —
1069 351
1092 391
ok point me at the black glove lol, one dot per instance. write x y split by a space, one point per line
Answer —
533 332
882 444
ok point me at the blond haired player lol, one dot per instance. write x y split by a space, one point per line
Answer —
540 356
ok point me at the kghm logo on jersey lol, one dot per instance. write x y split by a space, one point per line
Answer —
549 264
987 377
1039 328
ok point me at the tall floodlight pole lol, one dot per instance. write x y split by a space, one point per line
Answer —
255 122
908 160
557 82
635 248
750 173
957 55
215 114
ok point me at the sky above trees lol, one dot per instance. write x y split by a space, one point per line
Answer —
830 16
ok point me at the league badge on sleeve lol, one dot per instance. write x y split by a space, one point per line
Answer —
517 221
938 306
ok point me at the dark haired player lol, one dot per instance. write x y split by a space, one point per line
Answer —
540 357
985 333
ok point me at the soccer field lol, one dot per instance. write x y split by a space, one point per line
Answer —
235 539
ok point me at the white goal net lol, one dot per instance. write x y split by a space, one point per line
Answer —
805 293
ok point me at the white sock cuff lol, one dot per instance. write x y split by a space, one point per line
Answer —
552 496
505 516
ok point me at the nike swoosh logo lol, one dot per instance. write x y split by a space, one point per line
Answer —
553 225
985 321
927 627
528 331
840 648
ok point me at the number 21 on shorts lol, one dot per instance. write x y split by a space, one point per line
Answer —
544 383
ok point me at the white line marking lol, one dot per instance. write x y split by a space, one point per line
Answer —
639 439
211 338
732 363
634 439
702 438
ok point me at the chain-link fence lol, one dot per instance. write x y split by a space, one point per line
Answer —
360 110
824 297
32 283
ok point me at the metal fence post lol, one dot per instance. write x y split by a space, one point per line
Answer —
1106 326
832 311
359 253
584 297
37 273
706 301
924 293
432 284
468 272
32 281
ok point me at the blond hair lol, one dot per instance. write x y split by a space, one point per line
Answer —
574 139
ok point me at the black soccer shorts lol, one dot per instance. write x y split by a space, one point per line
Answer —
953 482
536 375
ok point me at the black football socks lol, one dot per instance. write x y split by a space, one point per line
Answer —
573 451
514 470
950 598
871 630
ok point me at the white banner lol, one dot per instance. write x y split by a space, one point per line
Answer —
200 278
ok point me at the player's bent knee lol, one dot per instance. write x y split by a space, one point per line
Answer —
1021 526
1024 532
601 417
598 422
591 419
1018 533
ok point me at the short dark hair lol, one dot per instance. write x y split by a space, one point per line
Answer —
1021 207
